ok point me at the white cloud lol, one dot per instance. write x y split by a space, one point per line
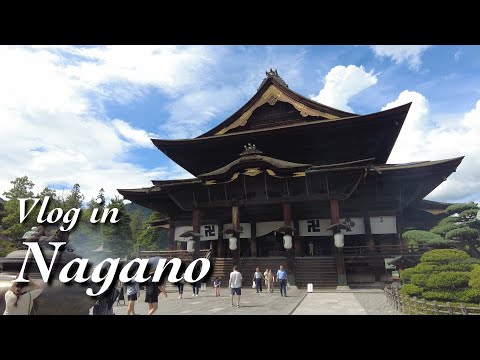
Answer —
411 54
341 83
458 55
52 125
423 139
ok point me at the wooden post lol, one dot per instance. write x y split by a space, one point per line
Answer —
298 242
463 309
435 308
220 241
368 231
415 305
424 307
196 228
341 273
236 226
287 221
400 223
449 308
253 241
171 236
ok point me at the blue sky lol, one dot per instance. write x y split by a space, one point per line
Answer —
85 114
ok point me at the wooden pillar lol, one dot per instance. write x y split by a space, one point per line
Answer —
341 274
287 220
220 241
236 226
400 222
297 241
196 228
368 230
253 241
171 236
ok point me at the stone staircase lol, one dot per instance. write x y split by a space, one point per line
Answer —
320 271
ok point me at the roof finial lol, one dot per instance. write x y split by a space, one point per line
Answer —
273 74
250 150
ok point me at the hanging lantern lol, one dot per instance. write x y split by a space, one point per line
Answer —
338 240
191 246
287 241
232 243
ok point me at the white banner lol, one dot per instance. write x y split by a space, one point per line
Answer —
356 224
318 227
208 232
264 228
383 224
246 228
315 227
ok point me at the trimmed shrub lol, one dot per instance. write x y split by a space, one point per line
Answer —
448 220
426 268
475 278
458 208
411 290
462 233
406 274
469 214
448 280
416 237
463 295
443 256
463 267
442 230
419 279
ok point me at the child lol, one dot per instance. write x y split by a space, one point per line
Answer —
216 286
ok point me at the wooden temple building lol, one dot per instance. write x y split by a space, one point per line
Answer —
280 177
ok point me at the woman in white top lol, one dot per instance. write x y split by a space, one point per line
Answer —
19 298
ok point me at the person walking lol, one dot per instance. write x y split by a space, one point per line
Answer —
133 290
235 284
19 298
269 280
282 280
258 277
152 290
180 285
216 285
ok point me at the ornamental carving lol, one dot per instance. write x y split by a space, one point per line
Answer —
271 96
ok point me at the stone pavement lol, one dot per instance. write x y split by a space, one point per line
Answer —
298 302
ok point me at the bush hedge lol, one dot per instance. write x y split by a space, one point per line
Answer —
417 237
463 295
451 281
475 278
443 256
419 279
411 290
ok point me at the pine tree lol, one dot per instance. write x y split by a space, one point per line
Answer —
118 236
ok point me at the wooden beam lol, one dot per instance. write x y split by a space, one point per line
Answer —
236 225
220 241
196 228
171 236
334 211
253 240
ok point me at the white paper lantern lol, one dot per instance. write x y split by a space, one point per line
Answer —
232 243
287 241
191 246
338 240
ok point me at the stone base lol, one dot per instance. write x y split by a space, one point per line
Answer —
343 288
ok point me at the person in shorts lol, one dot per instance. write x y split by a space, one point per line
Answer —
133 290
152 290
235 284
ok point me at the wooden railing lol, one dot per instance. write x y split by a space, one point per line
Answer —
413 306
382 250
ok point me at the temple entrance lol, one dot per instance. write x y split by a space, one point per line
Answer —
318 246
270 245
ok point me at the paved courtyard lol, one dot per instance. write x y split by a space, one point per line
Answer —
298 302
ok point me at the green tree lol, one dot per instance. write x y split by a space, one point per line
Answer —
74 199
22 188
136 225
152 238
118 236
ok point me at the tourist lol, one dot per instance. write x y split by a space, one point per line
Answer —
19 298
180 285
216 286
310 247
121 296
133 291
282 280
257 278
152 290
269 280
105 301
265 274
235 283
196 287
